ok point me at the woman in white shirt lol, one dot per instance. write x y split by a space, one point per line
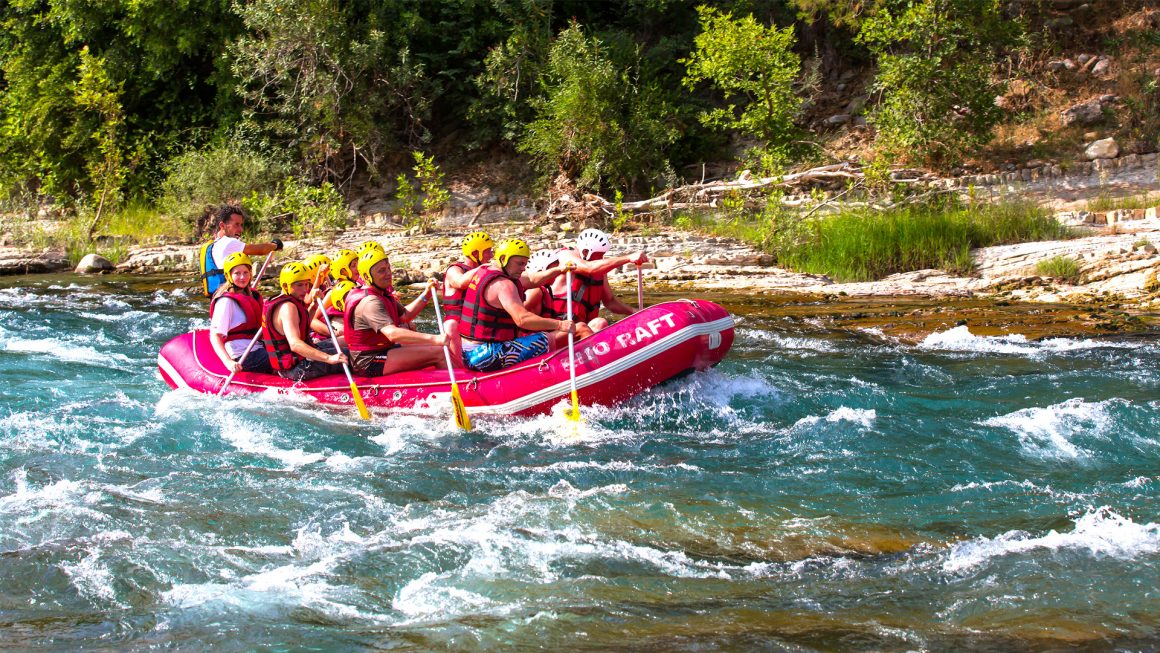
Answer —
235 316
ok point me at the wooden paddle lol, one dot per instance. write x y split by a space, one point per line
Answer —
354 393
574 414
253 340
457 409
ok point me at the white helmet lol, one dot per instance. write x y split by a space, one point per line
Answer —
591 241
542 260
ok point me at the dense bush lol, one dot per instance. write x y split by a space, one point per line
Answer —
596 121
936 73
223 173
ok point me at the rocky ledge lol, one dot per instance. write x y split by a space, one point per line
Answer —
14 260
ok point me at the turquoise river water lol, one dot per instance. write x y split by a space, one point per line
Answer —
816 491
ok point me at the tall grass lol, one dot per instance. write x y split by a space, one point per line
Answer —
132 225
864 244
1065 268
1105 202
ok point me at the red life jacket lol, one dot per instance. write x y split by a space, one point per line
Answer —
277 345
250 301
481 321
453 304
551 305
586 294
366 339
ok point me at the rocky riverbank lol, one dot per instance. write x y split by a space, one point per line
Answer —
1117 260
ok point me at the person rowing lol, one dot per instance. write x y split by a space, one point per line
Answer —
478 248
590 288
286 331
235 315
493 315
229 221
374 319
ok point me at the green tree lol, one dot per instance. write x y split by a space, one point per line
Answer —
107 169
754 67
596 122
935 73
163 56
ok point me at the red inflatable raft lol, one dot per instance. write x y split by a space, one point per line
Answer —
630 356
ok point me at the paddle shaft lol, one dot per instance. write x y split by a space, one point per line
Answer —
639 288
334 339
253 340
572 350
446 351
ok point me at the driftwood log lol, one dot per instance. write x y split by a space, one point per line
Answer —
706 194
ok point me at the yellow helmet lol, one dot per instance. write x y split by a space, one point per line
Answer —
316 261
338 294
368 246
234 260
475 244
340 264
509 248
292 273
367 261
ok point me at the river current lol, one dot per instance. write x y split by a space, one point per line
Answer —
818 490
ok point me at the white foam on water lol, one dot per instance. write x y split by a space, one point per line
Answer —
63 351
426 596
863 417
1047 432
135 317
582 465
63 494
1100 533
789 344
92 578
960 339
249 437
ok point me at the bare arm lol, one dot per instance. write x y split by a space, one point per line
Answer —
604 265
219 347
260 249
288 320
613 303
509 299
533 300
532 279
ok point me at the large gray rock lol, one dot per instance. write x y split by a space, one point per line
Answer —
1105 148
1101 67
93 264
169 258
22 261
1085 113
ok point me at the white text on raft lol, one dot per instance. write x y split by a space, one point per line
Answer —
647 331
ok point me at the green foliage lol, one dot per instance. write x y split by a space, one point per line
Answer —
313 210
935 63
863 245
107 168
1107 202
620 217
221 173
595 121
432 189
430 177
159 57
749 63
1064 268
408 199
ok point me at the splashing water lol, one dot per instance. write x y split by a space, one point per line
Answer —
814 491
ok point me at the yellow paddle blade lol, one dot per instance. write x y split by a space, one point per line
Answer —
574 414
457 408
358 401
